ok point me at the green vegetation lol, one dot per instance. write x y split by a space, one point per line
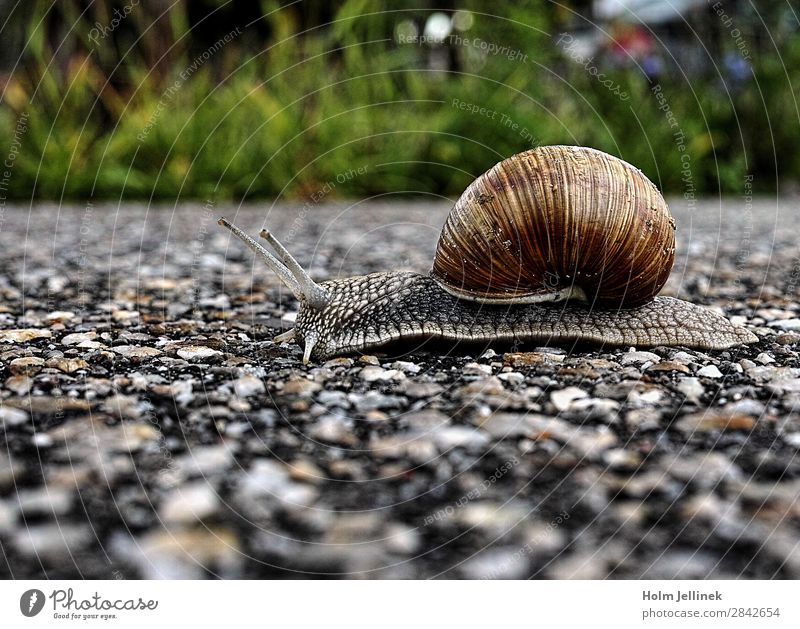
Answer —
289 109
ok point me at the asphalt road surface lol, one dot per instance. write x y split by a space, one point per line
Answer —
152 428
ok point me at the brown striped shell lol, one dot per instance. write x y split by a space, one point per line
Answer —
554 223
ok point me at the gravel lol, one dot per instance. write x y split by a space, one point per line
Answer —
151 427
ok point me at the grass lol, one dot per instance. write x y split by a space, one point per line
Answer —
287 110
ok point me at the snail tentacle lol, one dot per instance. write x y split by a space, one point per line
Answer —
272 262
314 294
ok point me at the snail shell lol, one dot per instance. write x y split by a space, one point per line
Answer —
554 223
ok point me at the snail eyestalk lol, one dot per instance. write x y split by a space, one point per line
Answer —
316 296
276 265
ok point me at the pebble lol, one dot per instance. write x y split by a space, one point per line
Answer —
270 480
786 324
301 387
714 420
406 367
336 363
307 471
67 365
28 366
191 502
10 416
23 335
78 337
198 353
709 371
513 378
645 395
669 365
518 359
792 439
59 316
136 352
205 461
764 359
496 564
482 387
505 425
684 358
621 459
125 317
564 398
373 400
415 389
333 429
372 373
691 388
44 501
476 369
640 358
8 518
51 543
180 553
248 385
448 437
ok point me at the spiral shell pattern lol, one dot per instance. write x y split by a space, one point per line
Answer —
558 222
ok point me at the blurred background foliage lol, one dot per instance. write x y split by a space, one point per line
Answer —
157 99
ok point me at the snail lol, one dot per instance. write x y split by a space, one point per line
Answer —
557 244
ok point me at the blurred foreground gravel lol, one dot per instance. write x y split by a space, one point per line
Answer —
151 428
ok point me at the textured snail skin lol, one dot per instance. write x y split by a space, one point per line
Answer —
371 311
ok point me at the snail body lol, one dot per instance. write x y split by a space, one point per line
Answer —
558 244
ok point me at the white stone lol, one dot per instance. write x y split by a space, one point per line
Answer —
12 416
691 388
197 352
248 385
372 373
189 503
709 371
765 359
563 398
640 358
786 324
